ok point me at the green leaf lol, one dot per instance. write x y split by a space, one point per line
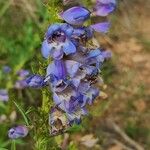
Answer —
22 113
3 148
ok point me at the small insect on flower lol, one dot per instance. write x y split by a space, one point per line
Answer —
18 132
76 15
104 7
4 95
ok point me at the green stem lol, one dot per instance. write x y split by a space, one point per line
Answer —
13 145
45 102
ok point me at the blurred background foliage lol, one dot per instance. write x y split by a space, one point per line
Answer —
125 95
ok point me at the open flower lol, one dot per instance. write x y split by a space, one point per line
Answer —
82 34
18 132
104 7
4 95
57 41
76 15
71 103
61 72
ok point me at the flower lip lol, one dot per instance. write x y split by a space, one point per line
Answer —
57 41
56 31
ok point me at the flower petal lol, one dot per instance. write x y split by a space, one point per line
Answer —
72 67
94 53
76 15
104 7
46 49
57 68
101 27
35 81
69 48
52 29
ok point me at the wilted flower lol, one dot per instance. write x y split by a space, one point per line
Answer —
57 41
105 7
76 15
35 81
4 95
58 121
18 132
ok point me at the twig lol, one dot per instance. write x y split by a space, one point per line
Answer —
121 144
127 139
65 142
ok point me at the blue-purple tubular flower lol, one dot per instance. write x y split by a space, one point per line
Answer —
81 35
73 81
76 15
18 132
35 81
6 69
102 27
105 7
57 42
72 75
4 95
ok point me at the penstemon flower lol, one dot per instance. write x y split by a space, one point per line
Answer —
57 41
73 73
18 132
4 95
105 7
76 15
